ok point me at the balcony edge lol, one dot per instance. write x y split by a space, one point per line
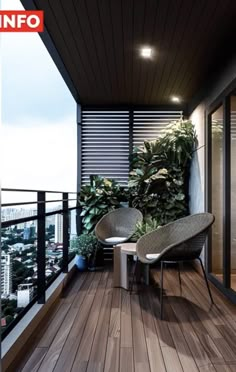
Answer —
14 343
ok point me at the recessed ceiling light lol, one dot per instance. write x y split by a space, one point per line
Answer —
146 52
175 99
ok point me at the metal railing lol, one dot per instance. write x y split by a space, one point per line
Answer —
40 216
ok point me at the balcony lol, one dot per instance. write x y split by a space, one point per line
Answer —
80 322
132 68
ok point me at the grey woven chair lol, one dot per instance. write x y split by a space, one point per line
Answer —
178 241
117 226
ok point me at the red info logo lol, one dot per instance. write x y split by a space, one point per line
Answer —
21 21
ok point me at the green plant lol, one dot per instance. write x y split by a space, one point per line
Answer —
159 180
98 198
84 245
145 227
178 142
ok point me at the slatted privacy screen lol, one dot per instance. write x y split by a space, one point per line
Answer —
108 136
233 125
105 145
220 123
148 125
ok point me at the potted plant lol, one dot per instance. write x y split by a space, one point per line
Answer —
84 246
96 259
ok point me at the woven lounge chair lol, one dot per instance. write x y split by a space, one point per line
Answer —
117 226
178 241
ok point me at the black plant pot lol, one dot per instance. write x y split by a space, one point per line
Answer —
96 260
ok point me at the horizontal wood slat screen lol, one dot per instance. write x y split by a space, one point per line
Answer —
107 136
233 125
105 145
148 125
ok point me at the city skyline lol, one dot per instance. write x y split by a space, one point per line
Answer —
19 267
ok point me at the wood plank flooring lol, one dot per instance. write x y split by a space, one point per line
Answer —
99 328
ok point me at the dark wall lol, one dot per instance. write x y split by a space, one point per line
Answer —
222 82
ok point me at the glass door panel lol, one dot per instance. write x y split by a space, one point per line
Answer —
233 192
217 192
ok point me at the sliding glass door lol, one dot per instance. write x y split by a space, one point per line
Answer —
233 192
217 146
221 176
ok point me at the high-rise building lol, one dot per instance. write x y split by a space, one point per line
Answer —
25 294
59 228
6 274
32 230
73 229
26 234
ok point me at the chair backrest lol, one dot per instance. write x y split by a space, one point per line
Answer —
120 222
181 239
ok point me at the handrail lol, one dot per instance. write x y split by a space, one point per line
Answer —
17 221
46 191
34 202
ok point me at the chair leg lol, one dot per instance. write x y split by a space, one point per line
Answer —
179 263
133 275
161 293
205 277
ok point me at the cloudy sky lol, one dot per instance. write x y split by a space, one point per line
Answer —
38 116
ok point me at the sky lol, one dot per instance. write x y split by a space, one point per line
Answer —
38 146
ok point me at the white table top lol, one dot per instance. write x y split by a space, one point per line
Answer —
129 248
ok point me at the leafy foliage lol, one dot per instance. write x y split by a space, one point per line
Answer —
20 273
98 198
159 179
84 245
145 227
178 142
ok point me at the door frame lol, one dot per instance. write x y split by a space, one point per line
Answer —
224 100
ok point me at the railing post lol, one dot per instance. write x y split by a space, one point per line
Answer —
79 166
131 141
41 254
0 277
65 258
131 125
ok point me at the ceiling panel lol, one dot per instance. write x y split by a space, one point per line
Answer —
99 41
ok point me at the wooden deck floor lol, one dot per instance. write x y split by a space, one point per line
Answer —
99 328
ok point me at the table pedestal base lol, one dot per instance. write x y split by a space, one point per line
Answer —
121 273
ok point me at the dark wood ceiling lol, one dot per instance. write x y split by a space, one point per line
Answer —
99 41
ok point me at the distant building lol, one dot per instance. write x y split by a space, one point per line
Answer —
12 297
32 230
29 231
3 322
26 233
13 214
50 221
59 228
19 247
73 229
25 294
6 274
